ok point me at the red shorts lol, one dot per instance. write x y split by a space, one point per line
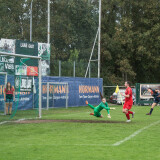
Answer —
127 106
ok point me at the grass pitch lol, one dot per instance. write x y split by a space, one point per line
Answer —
81 141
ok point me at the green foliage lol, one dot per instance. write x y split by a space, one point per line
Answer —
129 41
130 46
74 54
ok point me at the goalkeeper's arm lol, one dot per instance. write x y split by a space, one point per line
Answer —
106 107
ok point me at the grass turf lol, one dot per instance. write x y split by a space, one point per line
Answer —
78 141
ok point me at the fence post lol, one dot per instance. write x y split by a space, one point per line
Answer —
59 68
47 95
74 69
89 70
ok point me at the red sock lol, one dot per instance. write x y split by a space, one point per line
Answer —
130 112
127 115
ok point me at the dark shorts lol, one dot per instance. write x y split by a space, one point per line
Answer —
156 100
9 100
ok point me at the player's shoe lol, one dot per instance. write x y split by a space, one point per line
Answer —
91 113
133 114
128 121
109 116
148 114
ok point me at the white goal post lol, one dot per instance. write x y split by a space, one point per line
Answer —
39 75
53 97
5 74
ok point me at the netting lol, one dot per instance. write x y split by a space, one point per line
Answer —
54 95
3 81
23 75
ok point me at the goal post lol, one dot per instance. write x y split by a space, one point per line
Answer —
57 94
3 84
23 60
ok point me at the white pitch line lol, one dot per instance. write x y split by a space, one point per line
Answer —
15 120
134 134
115 144
3 122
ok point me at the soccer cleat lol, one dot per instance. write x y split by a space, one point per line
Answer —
91 113
109 116
148 114
128 121
133 114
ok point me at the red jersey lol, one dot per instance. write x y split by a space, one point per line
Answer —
9 91
129 99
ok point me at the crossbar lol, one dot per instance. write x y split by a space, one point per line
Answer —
19 55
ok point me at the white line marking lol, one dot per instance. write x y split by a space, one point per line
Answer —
115 144
135 133
3 122
16 120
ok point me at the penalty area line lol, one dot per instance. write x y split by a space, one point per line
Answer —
135 133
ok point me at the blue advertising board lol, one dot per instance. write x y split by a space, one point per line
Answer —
79 90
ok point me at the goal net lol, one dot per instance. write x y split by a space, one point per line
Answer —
3 82
54 94
24 74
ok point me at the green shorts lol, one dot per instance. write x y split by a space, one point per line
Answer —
97 114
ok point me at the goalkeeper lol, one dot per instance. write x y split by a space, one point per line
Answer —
97 110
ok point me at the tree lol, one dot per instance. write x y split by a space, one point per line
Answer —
130 46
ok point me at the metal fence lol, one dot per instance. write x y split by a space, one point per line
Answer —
74 69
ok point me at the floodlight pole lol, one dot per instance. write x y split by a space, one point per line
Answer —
92 53
31 21
99 41
48 34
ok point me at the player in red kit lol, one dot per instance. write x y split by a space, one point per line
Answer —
128 102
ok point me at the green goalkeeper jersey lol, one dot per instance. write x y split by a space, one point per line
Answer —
101 106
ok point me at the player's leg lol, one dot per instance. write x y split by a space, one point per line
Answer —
151 110
90 107
125 111
98 114
130 112
7 104
10 107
